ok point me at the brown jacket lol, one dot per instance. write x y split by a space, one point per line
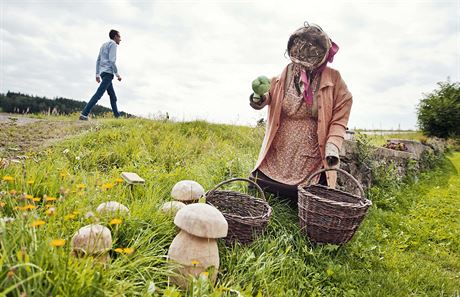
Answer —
333 103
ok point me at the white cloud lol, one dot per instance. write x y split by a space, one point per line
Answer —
196 59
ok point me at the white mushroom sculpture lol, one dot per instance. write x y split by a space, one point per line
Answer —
187 191
112 208
172 207
195 247
92 240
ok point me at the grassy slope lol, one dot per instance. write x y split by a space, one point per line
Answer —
410 248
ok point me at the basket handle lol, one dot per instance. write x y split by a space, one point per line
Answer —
341 171
239 179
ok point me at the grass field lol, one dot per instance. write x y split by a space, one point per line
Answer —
409 248
381 139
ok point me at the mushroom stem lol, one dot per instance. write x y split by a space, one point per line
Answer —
194 255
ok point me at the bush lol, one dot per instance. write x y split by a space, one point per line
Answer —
439 112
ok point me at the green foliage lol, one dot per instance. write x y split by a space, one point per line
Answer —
430 159
365 150
439 112
407 245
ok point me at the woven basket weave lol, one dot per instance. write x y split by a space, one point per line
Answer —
247 216
329 215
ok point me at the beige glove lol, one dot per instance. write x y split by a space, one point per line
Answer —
332 155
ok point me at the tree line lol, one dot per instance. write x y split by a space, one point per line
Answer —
13 102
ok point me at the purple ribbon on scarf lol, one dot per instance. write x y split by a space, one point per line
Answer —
308 90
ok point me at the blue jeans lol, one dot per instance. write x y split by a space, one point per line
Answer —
105 85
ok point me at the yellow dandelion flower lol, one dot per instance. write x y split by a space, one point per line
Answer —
128 251
8 178
2 204
118 250
195 262
116 222
38 223
81 186
69 217
49 198
204 274
57 242
13 192
118 180
36 199
26 207
107 186
30 182
28 196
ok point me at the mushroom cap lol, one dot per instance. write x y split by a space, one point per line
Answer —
187 190
172 207
92 239
112 207
202 220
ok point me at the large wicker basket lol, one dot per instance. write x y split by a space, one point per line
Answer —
247 216
329 215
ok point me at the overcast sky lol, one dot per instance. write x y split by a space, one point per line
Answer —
196 59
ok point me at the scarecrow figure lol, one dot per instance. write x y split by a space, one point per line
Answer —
308 109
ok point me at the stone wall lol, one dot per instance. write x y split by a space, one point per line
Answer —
402 162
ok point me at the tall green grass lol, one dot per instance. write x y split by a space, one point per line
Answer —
410 249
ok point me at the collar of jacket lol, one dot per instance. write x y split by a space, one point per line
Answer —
326 79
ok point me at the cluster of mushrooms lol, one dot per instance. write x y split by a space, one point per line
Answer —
194 249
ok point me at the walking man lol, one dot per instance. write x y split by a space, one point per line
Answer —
105 70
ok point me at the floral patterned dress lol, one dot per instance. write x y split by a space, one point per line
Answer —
294 154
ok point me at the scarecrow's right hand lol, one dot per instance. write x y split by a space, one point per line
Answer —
257 101
257 98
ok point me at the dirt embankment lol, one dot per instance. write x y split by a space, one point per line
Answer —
20 134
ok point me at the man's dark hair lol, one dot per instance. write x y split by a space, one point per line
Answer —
113 33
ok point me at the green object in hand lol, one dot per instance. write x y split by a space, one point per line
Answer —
261 85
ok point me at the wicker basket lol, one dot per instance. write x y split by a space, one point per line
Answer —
329 215
246 215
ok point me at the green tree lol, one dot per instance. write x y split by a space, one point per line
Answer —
439 111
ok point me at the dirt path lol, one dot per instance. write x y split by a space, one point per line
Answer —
20 134
18 119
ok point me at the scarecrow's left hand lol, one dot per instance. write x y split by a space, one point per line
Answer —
332 155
